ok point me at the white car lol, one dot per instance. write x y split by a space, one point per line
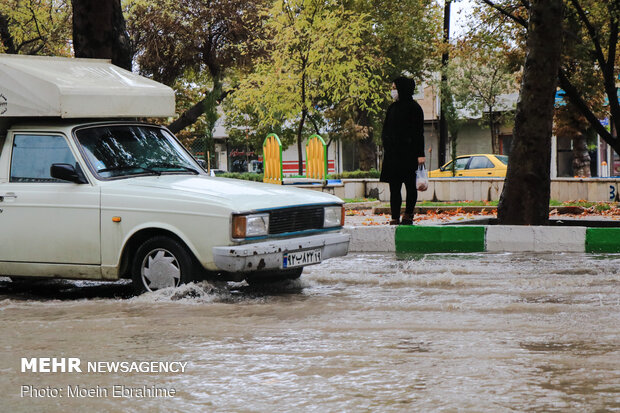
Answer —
114 200
87 194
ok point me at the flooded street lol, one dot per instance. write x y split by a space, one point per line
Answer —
472 332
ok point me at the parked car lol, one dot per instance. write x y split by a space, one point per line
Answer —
105 199
216 172
476 165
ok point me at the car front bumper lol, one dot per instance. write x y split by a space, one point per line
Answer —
269 255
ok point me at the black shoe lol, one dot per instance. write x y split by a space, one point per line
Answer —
407 220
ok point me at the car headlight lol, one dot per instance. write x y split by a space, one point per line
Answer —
252 225
333 216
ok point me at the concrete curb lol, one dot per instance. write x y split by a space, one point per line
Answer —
480 238
372 239
508 238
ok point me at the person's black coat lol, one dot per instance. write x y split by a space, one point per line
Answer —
403 134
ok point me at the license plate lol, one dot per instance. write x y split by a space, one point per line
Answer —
301 258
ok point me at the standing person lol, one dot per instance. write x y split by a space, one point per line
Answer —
403 146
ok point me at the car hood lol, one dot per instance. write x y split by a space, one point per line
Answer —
235 194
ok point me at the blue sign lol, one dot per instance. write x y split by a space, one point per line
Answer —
559 98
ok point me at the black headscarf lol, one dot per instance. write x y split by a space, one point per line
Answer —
405 87
404 106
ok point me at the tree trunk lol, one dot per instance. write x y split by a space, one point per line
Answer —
444 97
190 116
367 153
581 156
99 31
300 165
525 197
208 104
367 146
304 113
494 134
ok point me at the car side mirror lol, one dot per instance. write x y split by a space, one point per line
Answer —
202 163
67 172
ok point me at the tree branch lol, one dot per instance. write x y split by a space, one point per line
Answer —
316 127
36 24
506 13
190 116
608 71
598 51
26 43
576 100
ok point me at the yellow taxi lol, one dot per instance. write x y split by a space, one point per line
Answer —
476 165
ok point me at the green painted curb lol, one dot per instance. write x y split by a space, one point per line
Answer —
440 239
603 240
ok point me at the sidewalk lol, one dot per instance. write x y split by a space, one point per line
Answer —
459 231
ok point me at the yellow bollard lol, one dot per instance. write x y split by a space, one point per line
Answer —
316 158
272 159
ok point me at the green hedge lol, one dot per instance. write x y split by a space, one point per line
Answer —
373 173
247 176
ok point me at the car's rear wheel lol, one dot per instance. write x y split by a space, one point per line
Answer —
160 262
274 276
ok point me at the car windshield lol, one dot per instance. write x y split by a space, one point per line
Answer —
123 150
502 158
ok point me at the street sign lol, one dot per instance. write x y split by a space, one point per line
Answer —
560 98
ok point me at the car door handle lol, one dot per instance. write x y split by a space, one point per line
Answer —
7 195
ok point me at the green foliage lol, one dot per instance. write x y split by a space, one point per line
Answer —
36 27
408 36
590 64
246 176
408 33
460 203
358 200
175 37
193 46
317 58
479 74
193 87
373 173
244 129
598 206
602 207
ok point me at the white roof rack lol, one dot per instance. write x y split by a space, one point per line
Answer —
78 88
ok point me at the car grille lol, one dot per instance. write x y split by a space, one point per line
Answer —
295 219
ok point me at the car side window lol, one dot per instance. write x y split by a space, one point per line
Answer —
461 163
480 162
33 155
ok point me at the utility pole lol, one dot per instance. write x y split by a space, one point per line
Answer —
445 58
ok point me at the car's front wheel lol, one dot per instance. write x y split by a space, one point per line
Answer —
160 262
